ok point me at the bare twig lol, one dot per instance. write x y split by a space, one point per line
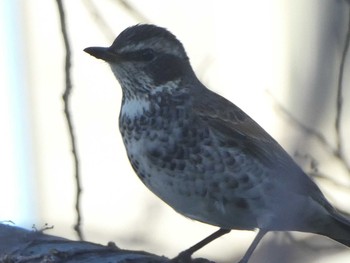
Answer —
319 136
312 132
66 96
134 12
100 21
336 151
339 104
326 178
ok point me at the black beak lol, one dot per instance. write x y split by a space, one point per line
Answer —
103 53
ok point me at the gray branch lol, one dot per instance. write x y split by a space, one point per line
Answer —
23 246
67 113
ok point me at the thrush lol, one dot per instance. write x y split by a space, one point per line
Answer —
203 155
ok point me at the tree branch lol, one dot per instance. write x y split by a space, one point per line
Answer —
23 246
339 105
100 21
66 100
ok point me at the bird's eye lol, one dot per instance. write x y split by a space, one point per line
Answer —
147 54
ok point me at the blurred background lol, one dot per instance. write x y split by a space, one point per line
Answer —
279 60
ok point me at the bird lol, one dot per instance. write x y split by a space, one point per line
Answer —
204 156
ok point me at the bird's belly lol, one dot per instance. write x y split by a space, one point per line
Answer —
199 185
195 201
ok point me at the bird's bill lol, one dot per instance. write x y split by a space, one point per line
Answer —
103 53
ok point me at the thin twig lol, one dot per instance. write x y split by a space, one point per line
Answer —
337 151
66 97
134 12
100 21
339 104
312 132
324 177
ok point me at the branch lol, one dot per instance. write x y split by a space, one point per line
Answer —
100 21
134 12
23 246
336 151
339 104
312 132
66 97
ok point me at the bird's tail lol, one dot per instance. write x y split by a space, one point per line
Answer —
337 229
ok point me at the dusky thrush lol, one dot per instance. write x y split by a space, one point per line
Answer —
201 154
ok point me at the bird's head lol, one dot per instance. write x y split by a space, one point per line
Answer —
145 58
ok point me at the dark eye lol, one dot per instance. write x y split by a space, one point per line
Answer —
147 54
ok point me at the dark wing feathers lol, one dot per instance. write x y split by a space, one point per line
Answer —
239 138
237 129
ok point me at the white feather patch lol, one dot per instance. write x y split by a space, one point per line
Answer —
133 108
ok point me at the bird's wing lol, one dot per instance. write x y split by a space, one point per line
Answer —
236 129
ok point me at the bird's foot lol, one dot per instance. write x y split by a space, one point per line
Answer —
183 257
186 257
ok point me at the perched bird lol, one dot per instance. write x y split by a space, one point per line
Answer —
201 154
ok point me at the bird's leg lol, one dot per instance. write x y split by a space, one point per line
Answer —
253 245
185 256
